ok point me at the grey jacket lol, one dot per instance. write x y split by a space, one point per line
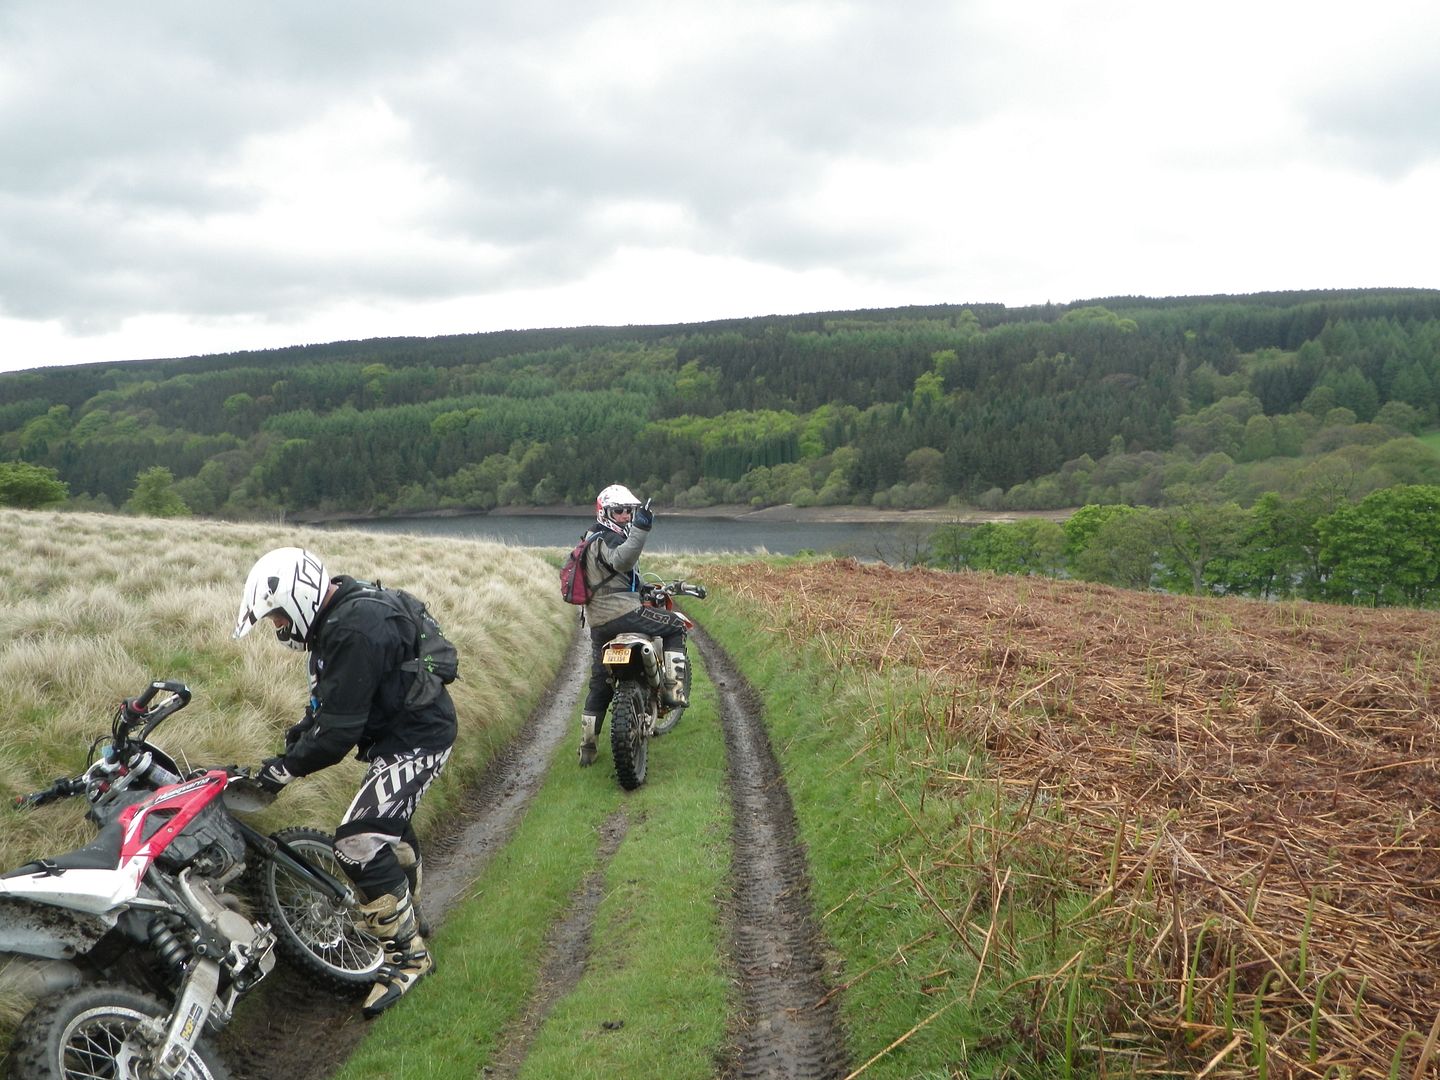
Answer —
610 571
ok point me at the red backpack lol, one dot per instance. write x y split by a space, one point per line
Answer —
574 589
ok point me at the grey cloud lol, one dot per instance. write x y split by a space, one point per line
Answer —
731 133
1388 122
134 112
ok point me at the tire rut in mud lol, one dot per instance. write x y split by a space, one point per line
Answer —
294 1031
789 1025
788 1028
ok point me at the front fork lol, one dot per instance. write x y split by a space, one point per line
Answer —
282 853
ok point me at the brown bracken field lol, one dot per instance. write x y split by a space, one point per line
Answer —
1250 790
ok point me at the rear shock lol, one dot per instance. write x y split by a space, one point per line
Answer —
169 946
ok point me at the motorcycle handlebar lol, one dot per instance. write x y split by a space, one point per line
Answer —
137 711
678 588
62 788
179 689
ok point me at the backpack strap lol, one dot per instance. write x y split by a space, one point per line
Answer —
593 537
375 593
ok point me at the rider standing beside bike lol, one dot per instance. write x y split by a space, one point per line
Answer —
357 700
623 525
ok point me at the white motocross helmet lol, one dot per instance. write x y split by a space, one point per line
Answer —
288 579
615 497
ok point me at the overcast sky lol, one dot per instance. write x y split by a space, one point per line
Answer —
180 177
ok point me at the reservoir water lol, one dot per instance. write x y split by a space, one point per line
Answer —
676 534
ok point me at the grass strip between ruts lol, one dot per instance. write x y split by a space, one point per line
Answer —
652 1001
940 933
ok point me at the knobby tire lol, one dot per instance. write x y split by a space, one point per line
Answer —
77 1035
628 742
316 934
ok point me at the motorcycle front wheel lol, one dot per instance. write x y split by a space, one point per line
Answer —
629 742
83 1034
317 934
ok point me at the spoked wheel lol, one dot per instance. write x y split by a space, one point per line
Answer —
667 722
629 741
319 935
96 1032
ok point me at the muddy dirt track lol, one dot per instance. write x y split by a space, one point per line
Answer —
776 954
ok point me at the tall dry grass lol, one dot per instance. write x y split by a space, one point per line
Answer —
1248 793
96 606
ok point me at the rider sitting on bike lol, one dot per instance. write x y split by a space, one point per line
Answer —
358 699
622 525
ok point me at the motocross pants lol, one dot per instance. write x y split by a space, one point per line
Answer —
375 843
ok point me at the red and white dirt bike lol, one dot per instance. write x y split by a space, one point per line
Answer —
141 942
635 665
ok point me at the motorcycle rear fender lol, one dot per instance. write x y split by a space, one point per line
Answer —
646 648
37 928
94 892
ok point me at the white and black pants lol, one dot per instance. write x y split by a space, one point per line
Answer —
375 842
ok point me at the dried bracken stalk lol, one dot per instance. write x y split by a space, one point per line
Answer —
1250 789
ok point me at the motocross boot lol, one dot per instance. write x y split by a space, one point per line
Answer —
589 728
674 675
391 918
410 862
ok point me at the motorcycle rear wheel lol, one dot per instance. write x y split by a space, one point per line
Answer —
316 934
628 741
87 1033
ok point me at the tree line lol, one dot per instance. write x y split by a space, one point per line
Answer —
1122 400
1383 550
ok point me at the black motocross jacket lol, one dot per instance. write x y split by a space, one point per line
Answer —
357 690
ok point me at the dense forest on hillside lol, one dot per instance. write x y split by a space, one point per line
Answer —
1117 400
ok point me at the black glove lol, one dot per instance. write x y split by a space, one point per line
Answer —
294 731
272 775
643 517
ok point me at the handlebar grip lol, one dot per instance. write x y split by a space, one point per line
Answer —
179 689
61 788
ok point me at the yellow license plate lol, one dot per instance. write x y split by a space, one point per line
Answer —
616 654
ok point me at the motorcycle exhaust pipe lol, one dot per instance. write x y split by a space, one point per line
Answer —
652 664
37 978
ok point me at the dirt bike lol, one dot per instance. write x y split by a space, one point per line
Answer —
138 944
639 710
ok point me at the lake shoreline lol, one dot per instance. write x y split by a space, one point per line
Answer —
786 514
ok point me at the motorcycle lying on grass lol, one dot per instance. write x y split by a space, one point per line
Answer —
140 943
641 709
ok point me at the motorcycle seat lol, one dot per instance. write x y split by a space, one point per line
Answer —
102 853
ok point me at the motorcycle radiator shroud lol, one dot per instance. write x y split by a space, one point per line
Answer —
214 834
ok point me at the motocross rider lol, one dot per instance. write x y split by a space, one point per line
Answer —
623 525
357 701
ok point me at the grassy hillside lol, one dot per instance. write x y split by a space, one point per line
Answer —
1119 400
97 606
1054 829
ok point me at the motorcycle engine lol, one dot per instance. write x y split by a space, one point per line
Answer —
250 939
